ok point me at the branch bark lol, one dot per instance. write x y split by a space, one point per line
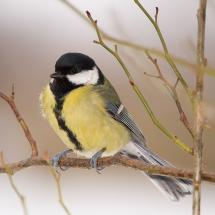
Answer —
117 160
199 116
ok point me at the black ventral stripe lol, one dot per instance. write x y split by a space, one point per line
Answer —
62 124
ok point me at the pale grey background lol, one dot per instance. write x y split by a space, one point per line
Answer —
33 34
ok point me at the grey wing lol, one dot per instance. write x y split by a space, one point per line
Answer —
175 188
119 113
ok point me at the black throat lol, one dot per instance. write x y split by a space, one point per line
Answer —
60 87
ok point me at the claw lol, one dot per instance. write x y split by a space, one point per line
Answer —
55 160
93 160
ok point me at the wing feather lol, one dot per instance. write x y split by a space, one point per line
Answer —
119 113
137 148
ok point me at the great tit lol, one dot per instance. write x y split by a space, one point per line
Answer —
85 111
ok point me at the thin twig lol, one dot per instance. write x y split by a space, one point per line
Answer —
57 178
9 172
199 115
116 160
156 15
166 51
174 138
208 70
11 102
13 92
176 83
173 92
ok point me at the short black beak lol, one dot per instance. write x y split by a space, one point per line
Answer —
56 75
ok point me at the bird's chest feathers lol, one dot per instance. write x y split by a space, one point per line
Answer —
85 114
48 104
83 110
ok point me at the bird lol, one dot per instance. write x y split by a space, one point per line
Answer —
85 111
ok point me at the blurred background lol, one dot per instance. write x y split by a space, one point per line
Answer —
33 34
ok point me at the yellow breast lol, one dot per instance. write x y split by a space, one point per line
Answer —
85 115
48 103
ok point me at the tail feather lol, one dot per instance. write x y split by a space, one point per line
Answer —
171 187
174 188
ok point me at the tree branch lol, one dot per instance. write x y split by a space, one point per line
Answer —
199 115
168 57
11 102
9 172
117 160
173 92
136 89
57 178
135 46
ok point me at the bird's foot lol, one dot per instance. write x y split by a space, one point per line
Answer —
55 160
93 160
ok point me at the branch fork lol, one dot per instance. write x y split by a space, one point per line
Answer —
136 89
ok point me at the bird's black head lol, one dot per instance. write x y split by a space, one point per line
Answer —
73 70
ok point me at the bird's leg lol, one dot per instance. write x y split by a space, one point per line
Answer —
55 160
95 157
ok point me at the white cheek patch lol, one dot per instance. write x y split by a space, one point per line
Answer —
51 80
85 77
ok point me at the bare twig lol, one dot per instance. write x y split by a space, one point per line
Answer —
117 160
11 102
136 89
176 83
166 51
156 15
57 178
199 116
173 92
138 47
13 92
9 172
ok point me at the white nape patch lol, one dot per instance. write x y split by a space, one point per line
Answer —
121 107
51 80
85 77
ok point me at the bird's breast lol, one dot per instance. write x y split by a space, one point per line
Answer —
85 114
48 106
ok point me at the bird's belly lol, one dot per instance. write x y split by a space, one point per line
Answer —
93 127
96 133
